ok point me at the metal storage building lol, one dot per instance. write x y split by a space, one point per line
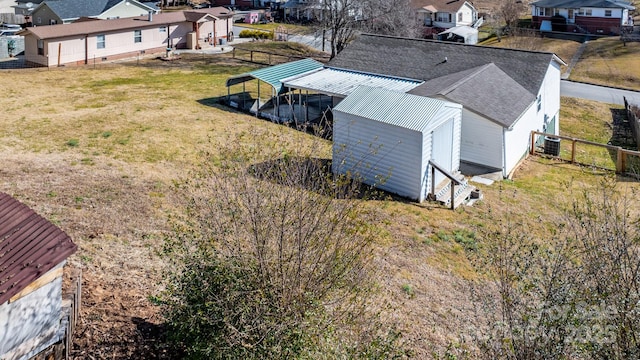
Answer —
390 140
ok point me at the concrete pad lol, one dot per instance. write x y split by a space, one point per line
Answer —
481 180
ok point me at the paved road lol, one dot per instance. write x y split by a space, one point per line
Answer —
598 93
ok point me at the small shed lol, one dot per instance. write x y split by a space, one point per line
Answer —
33 252
392 140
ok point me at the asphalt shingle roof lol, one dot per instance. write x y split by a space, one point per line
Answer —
450 6
575 4
71 9
483 90
428 59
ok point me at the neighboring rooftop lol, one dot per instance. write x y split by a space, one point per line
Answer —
30 246
428 59
104 26
450 6
576 4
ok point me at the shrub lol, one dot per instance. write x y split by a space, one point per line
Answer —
256 34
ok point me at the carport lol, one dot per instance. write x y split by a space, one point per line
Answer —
273 76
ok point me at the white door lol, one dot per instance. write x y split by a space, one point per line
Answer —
442 148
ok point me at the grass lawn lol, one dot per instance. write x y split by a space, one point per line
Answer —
565 49
607 61
98 152
284 48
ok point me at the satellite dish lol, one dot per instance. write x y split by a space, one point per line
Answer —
29 4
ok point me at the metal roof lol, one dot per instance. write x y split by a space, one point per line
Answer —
273 75
342 82
399 109
30 246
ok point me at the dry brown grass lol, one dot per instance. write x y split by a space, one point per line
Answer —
565 49
607 61
97 150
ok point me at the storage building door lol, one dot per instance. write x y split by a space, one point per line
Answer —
442 148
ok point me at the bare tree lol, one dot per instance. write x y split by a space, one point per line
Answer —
511 11
576 295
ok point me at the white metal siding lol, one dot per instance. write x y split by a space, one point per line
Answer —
517 140
386 156
481 140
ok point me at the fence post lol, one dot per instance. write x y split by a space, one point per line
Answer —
619 161
573 151
453 196
533 143
233 55
251 55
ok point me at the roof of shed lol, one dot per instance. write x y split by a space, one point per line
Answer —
575 4
391 107
105 26
427 59
30 246
273 75
342 82
484 90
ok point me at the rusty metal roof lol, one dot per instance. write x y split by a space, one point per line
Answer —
30 246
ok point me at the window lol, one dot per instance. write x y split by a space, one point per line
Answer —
607 13
52 22
459 17
100 41
39 20
163 29
545 11
137 36
556 11
40 47
539 100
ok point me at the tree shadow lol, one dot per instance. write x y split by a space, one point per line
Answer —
315 175
151 341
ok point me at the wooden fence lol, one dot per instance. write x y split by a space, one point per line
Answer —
71 300
633 115
626 161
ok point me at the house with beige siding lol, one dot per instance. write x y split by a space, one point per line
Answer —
93 41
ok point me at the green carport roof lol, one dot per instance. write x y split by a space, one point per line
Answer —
274 74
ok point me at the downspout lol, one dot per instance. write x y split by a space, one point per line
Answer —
504 154
86 49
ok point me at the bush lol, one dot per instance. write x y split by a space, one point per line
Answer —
256 34
271 259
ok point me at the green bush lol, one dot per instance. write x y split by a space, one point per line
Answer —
257 34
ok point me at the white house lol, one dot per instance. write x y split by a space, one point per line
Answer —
390 139
445 14
592 16
33 252
505 93
104 40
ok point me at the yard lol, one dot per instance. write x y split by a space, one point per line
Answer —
98 151
607 61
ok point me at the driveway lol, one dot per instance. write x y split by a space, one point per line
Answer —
598 93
